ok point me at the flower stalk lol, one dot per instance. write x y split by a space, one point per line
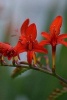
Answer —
53 58
38 68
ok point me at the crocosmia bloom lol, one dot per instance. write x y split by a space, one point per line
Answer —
7 50
4 48
11 53
27 41
54 37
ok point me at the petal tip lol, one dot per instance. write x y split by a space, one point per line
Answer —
59 18
24 26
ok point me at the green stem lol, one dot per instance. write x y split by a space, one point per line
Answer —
41 70
50 73
53 58
60 78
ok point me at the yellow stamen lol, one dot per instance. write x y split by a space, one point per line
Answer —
15 58
34 58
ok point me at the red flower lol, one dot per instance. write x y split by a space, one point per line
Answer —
53 36
7 50
27 41
11 53
4 47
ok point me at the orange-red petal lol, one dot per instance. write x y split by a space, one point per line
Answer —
62 42
39 48
45 35
31 32
30 56
19 48
44 42
62 36
55 25
24 26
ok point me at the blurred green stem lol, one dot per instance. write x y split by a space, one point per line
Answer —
53 58
38 68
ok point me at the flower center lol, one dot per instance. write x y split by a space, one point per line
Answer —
53 39
30 45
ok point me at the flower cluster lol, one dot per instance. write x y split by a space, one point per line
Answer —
28 43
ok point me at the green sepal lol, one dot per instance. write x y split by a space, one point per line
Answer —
18 71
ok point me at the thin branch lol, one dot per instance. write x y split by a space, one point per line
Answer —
60 78
39 69
50 73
